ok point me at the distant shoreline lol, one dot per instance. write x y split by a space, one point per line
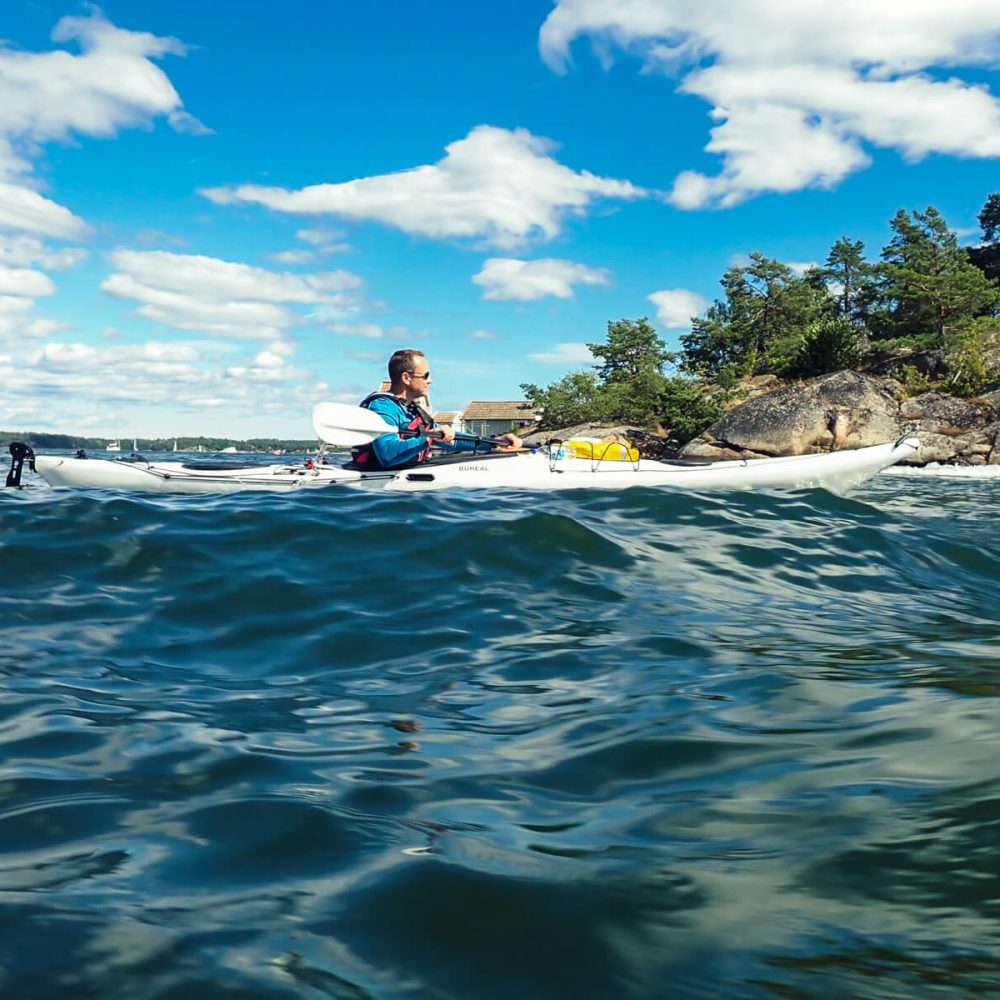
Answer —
45 439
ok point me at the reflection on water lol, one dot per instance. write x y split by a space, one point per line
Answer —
352 745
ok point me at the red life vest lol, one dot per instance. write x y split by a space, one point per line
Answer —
363 455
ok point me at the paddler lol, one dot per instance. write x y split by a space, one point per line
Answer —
406 443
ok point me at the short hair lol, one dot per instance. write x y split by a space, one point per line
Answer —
402 361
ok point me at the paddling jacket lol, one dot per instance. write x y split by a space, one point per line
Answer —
404 446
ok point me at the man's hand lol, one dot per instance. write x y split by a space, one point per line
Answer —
515 442
444 433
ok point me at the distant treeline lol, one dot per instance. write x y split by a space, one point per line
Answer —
42 439
924 296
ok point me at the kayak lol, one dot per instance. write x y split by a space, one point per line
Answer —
588 464
556 468
193 478
550 467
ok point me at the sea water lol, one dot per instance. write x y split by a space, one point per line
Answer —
462 745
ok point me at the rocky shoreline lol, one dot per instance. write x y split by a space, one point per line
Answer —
846 409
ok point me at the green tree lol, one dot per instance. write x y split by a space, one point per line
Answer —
685 410
628 387
759 327
986 256
631 371
830 344
928 282
970 371
714 349
633 350
849 278
574 399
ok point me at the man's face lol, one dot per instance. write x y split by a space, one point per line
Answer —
418 379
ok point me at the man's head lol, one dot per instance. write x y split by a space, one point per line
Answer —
409 374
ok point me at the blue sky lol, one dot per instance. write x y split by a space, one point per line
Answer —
213 216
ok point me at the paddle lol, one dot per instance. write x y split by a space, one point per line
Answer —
343 425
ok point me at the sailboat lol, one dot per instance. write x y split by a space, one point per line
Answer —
115 445
175 444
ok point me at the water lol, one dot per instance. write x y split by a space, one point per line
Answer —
350 745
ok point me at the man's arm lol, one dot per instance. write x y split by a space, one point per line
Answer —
390 449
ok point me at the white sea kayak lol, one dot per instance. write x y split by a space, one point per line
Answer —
546 469
194 477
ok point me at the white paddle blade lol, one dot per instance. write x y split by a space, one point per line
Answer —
344 426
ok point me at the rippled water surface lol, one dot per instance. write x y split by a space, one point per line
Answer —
571 745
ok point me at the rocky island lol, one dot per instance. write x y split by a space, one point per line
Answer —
793 360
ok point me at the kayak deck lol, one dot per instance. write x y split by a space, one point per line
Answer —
838 472
540 469
196 478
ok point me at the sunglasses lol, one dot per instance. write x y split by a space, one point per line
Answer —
424 375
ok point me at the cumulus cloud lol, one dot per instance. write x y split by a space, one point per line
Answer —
53 96
23 251
25 282
226 299
27 210
370 330
19 322
150 353
267 366
159 388
801 92
676 306
20 287
321 242
497 187
525 280
565 354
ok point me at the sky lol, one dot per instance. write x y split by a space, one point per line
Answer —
215 215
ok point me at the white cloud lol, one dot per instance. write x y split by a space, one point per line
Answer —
370 330
152 352
676 306
799 90
325 241
24 209
565 354
800 267
483 335
160 388
526 280
23 251
293 257
495 186
267 366
220 297
18 321
322 242
19 288
52 96
24 281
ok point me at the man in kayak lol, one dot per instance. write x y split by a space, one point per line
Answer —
409 381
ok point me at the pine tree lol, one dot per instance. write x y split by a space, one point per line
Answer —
986 256
852 278
928 280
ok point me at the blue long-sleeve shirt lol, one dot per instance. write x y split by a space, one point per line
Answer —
390 449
